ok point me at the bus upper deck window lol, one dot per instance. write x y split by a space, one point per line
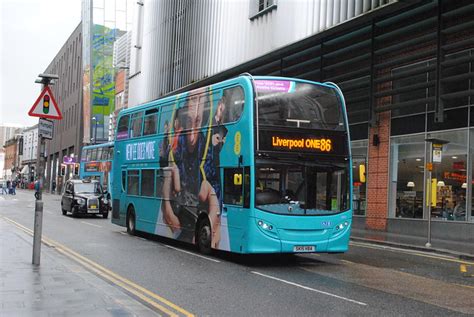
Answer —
122 130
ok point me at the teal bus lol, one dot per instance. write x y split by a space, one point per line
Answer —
247 165
96 163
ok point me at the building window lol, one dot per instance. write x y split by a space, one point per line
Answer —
449 177
406 183
411 191
261 7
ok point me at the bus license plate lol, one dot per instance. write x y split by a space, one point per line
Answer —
304 248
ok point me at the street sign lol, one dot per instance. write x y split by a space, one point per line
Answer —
45 106
46 128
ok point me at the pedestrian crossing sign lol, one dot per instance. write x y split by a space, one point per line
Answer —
45 106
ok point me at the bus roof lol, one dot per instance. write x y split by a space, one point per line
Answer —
100 145
246 77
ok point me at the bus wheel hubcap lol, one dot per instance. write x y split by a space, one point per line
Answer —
205 237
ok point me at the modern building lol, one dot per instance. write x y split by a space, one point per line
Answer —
85 90
406 69
67 90
102 24
122 73
30 151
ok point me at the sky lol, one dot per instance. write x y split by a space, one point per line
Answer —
31 34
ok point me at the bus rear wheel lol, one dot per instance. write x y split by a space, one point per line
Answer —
131 221
204 236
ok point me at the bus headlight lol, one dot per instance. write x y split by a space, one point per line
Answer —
264 225
342 225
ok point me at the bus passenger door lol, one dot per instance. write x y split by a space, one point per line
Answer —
235 207
118 203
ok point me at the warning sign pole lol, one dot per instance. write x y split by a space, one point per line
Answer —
46 79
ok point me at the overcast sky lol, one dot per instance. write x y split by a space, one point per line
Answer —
31 34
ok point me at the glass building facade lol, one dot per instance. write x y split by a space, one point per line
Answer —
103 21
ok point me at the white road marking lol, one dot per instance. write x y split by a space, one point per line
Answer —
2 198
91 224
310 289
191 253
412 252
48 212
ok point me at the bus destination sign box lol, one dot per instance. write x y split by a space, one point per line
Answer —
298 142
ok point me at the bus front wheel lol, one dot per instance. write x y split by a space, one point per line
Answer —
204 236
131 221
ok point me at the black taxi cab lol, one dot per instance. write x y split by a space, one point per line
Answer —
85 197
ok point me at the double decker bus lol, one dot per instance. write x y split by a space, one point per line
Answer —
248 165
96 163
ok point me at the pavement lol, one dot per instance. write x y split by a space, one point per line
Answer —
60 286
454 248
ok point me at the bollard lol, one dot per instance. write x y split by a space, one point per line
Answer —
37 232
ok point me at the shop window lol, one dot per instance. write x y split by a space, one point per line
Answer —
449 177
406 182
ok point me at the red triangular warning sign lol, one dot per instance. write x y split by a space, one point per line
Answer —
45 106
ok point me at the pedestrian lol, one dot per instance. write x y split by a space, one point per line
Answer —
3 188
37 188
53 189
9 188
14 184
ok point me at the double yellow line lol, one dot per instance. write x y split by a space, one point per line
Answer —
152 299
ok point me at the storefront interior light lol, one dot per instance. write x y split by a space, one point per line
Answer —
464 185
454 157
441 184
418 159
411 184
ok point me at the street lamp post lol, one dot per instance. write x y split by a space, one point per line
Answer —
95 129
435 156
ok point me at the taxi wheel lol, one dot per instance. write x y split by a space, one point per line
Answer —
73 211
131 221
204 236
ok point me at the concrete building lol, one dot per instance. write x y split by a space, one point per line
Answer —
30 149
405 67
67 90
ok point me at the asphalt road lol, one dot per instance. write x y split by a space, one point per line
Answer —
369 280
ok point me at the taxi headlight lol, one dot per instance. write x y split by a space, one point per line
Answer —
80 201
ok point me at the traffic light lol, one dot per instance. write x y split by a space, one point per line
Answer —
76 169
46 104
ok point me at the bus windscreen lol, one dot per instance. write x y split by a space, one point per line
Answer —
298 105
